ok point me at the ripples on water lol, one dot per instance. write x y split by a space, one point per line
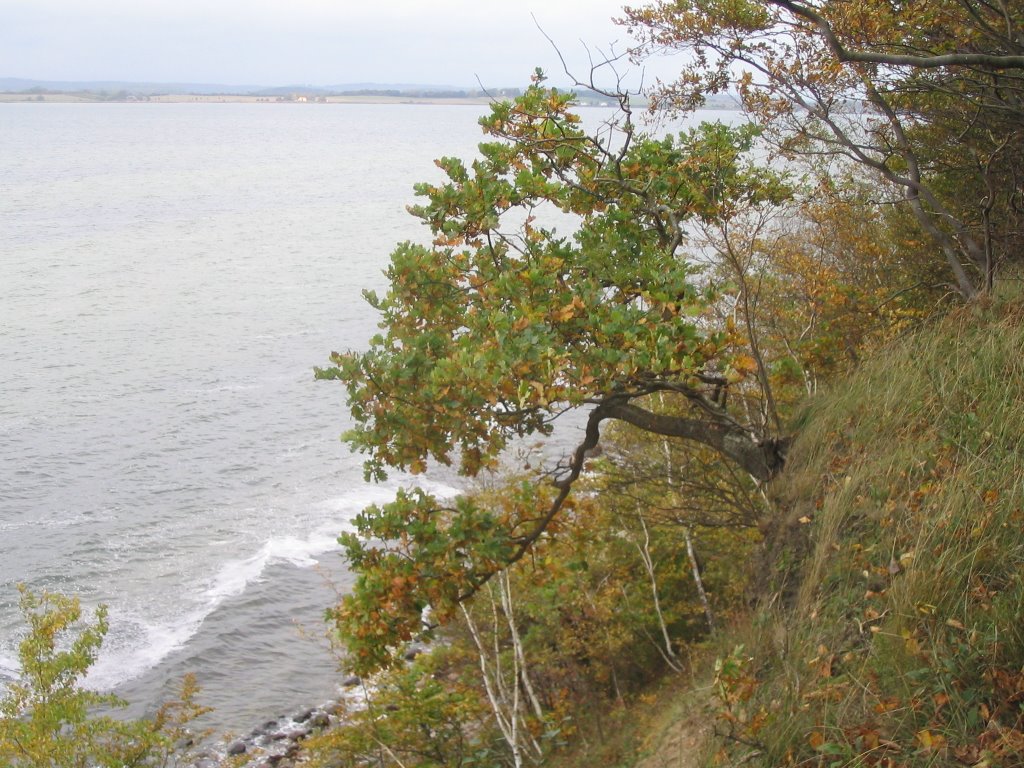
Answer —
169 276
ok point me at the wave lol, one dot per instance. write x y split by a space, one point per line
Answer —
8 668
302 552
135 645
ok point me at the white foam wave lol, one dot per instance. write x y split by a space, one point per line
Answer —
236 575
355 501
134 645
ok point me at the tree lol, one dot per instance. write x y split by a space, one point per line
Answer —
925 95
424 714
47 720
504 323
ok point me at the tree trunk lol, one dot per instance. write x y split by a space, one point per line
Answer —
761 459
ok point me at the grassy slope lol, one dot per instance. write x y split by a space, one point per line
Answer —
905 642
892 631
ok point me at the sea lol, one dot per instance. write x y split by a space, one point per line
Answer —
170 274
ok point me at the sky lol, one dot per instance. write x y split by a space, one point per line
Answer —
303 42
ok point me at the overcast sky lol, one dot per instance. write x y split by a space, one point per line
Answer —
289 42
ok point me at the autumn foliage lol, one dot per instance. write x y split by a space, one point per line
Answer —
686 292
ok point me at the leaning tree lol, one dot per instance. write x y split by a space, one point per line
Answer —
557 279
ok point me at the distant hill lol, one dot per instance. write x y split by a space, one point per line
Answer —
125 89
18 85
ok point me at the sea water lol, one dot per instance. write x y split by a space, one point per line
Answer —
170 274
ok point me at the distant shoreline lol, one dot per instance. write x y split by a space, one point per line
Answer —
88 97
183 98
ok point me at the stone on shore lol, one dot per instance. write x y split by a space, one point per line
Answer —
414 650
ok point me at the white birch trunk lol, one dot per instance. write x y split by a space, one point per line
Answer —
505 586
508 730
644 549
690 553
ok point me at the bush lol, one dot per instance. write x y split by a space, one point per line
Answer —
47 720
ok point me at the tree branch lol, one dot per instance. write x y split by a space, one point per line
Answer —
761 459
987 60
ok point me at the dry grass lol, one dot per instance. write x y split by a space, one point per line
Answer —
902 513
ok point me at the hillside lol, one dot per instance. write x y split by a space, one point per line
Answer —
888 630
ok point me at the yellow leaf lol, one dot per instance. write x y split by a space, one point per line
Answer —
887 705
930 741
745 364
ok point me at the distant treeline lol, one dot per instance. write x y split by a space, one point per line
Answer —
430 93
586 97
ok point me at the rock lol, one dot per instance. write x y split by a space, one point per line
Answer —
269 726
291 734
351 681
303 716
414 650
236 748
320 720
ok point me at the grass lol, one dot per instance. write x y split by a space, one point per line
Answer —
664 727
900 640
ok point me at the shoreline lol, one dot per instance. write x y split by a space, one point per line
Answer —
279 741
75 98
89 97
